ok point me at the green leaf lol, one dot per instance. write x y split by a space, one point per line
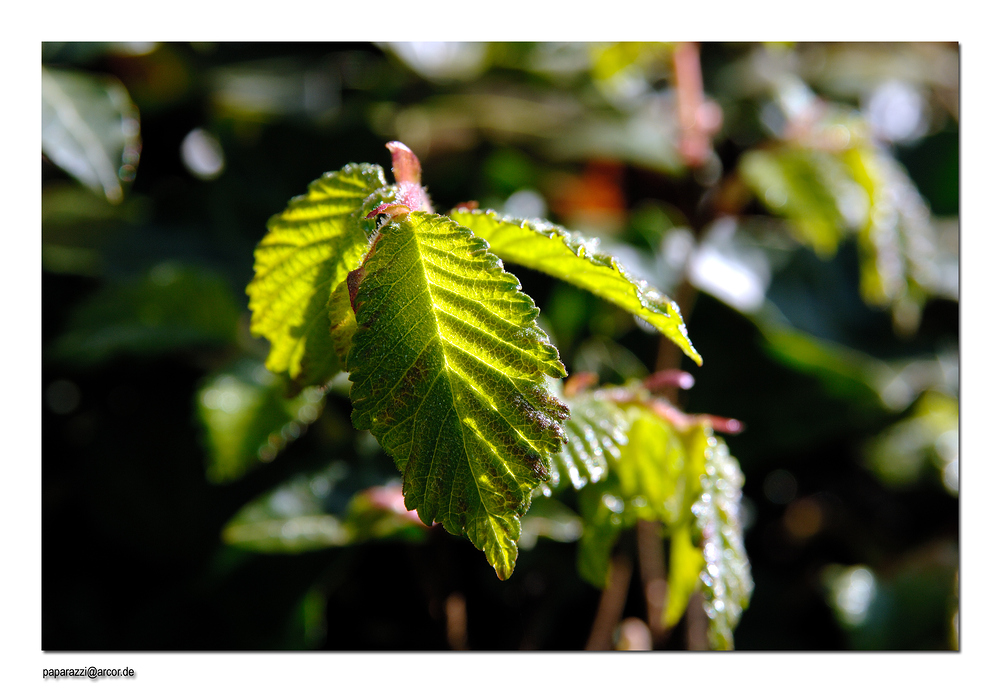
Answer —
896 242
323 510
925 441
292 518
604 518
575 259
651 469
247 418
829 192
726 580
686 564
801 185
172 307
307 252
90 129
342 321
447 369
595 433
664 466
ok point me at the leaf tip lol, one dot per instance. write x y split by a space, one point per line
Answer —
405 164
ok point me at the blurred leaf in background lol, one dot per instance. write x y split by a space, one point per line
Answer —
308 513
248 419
173 307
90 128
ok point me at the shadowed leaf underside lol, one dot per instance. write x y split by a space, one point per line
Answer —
307 252
447 369
575 259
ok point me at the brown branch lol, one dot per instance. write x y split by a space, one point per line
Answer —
456 621
652 570
611 605
697 623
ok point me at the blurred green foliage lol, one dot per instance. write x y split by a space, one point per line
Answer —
842 364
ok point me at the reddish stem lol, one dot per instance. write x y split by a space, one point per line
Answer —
663 379
699 118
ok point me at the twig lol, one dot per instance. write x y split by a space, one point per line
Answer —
653 573
456 621
697 623
611 605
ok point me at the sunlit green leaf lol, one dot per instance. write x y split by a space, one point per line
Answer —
307 252
342 321
686 564
573 258
90 129
248 419
447 369
651 469
173 307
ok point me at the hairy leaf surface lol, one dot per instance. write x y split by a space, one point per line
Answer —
447 369
308 251
575 259
668 467
725 579
896 241
595 433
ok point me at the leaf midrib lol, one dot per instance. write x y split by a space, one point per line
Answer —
449 373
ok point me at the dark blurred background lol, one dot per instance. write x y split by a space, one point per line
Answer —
799 201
